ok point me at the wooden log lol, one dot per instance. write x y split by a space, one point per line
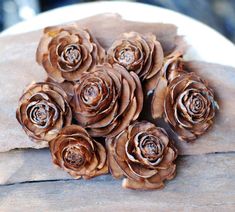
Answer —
203 183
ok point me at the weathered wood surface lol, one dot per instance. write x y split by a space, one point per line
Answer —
203 183
28 165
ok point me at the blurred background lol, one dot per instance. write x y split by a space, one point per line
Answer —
219 14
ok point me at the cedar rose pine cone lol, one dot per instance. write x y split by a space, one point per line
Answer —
43 110
189 106
107 100
141 54
144 154
66 52
77 153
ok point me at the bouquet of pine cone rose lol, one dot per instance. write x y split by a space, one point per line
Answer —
119 108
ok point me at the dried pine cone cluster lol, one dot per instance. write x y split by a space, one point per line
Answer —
90 109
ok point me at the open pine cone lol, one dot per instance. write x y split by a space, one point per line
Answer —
66 52
144 154
107 100
141 54
43 111
78 154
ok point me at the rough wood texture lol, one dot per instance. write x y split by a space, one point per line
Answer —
203 183
19 68
28 165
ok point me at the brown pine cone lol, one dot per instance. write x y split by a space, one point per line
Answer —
107 100
43 111
141 54
188 105
144 155
67 52
77 153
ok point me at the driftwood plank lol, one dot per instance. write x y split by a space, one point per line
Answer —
28 165
203 183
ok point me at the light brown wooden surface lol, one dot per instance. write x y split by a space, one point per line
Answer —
30 182
203 183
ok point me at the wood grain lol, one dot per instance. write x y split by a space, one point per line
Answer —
203 183
28 165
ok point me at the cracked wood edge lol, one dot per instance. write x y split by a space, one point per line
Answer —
203 182
100 195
